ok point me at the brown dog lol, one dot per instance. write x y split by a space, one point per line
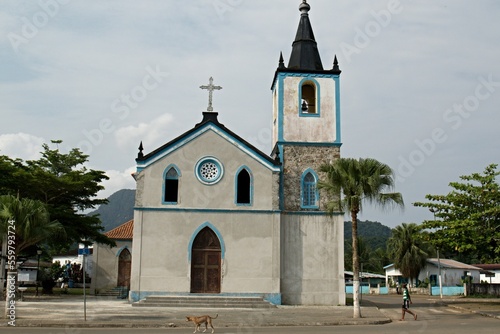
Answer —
204 319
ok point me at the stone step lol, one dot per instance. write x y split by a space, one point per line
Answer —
117 292
203 302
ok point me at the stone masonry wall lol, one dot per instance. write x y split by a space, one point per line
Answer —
296 159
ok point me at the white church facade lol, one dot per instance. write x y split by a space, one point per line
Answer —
215 216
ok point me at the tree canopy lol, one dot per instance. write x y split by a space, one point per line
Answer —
65 186
467 219
353 182
408 249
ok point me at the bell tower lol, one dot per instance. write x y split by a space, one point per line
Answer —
306 134
306 109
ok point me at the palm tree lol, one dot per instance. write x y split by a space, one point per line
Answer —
408 249
353 182
23 223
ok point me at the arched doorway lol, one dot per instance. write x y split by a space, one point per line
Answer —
124 268
206 262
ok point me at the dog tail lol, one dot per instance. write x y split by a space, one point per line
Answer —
216 316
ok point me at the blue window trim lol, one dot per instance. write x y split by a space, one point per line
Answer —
213 160
119 251
318 102
236 186
302 194
217 233
165 171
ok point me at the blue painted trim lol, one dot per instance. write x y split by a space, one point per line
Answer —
282 180
216 162
216 231
121 250
244 167
205 210
313 213
336 78
302 184
296 143
274 298
318 97
281 99
208 127
164 178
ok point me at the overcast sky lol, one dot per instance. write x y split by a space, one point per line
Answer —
420 82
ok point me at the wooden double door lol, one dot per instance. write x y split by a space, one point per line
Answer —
206 263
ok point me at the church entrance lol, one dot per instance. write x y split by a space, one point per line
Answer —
206 263
124 268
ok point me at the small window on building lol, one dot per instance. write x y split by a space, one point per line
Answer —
308 94
171 186
309 190
243 187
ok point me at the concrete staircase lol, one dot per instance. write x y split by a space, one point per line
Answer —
203 302
118 292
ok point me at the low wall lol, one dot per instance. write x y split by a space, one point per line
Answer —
483 289
433 291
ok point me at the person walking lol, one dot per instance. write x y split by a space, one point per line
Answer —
406 303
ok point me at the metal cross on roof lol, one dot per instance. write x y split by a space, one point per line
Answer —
210 87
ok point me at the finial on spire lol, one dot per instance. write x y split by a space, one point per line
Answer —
336 65
210 87
281 62
140 155
304 7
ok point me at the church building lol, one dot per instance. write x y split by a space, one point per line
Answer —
215 216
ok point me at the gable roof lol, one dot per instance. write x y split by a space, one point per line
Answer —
445 263
209 122
488 266
124 231
451 264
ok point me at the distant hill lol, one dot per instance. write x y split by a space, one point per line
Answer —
119 210
373 233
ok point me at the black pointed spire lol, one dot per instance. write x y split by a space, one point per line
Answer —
281 62
276 153
140 155
305 54
336 67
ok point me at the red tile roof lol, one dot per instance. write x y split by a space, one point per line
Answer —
124 231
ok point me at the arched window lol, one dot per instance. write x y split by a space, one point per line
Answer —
309 190
171 187
308 98
243 187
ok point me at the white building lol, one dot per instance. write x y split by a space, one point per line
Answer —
490 273
452 272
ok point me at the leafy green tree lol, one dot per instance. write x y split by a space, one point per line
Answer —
66 186
467 219
357 181
408 249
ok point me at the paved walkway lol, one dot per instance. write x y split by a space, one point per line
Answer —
68 311
112 312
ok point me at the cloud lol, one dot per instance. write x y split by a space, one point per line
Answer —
21 145
152 133
117 180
